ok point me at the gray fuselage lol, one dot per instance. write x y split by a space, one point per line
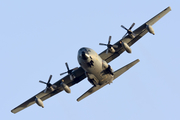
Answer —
97 70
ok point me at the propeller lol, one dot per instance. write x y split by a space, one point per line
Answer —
109 45
128 30
48 84
69 72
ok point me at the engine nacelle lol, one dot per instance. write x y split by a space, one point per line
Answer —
150 29
105 65
91 78
111 49
65 87
126 47
107 68
51 88
110 70
39 102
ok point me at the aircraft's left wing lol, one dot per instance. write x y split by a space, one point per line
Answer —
80 75
140 32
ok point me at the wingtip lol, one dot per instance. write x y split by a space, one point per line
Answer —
12 111
78 100
169 7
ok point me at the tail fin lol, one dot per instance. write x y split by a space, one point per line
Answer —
120 71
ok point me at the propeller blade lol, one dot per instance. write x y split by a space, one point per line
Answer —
124 27
42 82
67 66
115 46
109 40
131 26
49 79
63 73
124 36
107 51
75 68
45 90
102 44
71 77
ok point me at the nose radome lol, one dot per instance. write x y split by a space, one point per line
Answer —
84 55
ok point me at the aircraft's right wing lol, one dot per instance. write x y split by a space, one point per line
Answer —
140 32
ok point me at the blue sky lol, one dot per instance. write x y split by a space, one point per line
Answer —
38 37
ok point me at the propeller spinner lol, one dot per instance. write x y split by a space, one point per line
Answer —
48 84
109 46
69 72
129 31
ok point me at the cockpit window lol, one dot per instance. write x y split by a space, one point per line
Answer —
86 50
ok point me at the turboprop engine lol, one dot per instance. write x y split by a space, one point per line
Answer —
110 48
150 29
126 46
39 102
65 87
129 32
69 71
49 86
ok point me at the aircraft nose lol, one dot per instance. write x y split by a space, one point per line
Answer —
84 55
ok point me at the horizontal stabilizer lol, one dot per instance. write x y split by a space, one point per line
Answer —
90 91
116 74
120 71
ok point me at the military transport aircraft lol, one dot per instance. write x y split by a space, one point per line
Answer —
95 66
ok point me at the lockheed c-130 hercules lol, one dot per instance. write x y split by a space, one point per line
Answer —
95 66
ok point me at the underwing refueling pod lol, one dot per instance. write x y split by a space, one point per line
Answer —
39 102
150 29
